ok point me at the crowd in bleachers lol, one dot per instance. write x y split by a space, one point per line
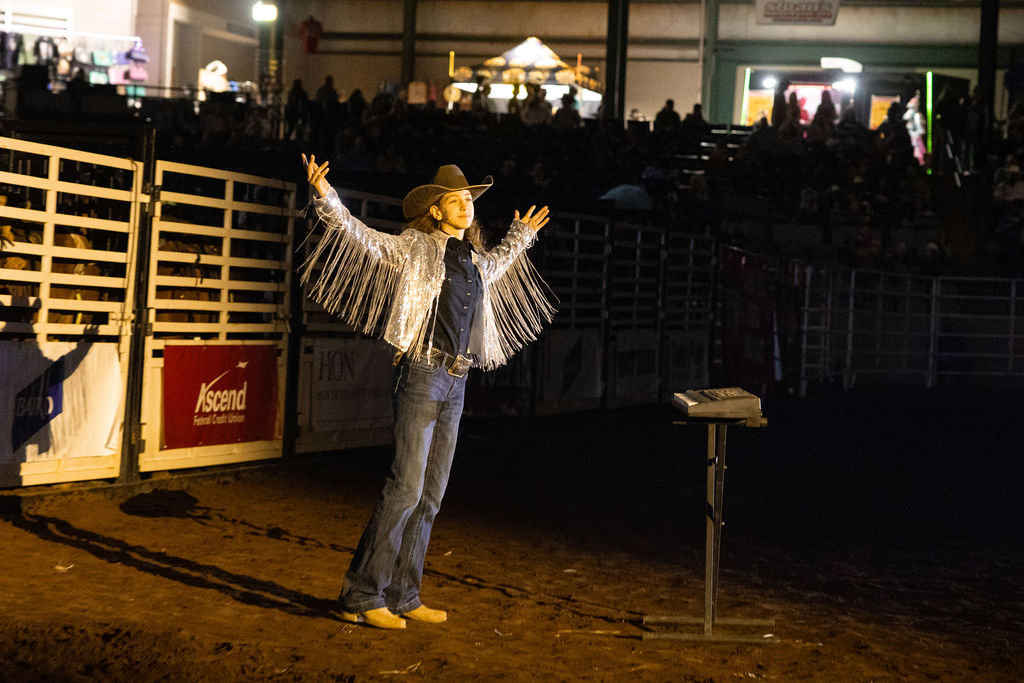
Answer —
835 188
824 188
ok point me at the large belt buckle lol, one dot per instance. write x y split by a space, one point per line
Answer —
460 366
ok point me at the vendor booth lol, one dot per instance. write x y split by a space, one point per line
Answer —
869 93
531 62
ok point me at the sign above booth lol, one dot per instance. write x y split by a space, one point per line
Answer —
799 12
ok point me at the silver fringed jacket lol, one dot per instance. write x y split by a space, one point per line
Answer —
362 275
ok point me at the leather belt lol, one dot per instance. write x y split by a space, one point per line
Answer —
457 366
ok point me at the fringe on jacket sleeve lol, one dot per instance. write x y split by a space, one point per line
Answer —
353 269
520 300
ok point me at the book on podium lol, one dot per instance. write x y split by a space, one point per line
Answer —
728 403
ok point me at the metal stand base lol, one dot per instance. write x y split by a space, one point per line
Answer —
697 621
712 552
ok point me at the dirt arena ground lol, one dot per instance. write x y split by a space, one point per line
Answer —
880 531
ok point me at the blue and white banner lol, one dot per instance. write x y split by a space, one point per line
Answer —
58 400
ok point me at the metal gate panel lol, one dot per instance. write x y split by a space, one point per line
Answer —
636 278
978 327
636 298
893 326
574 263
220 269
635 368
686 307
68 225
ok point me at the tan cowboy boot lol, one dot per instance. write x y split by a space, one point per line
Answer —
380 617
427 615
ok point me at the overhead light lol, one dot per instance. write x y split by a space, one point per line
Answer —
769 82
849 66
264 11
848 85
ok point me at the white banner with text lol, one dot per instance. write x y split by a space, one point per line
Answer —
58 400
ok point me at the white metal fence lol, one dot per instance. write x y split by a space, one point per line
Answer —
220 269
911 328
634 313
68 229
127 263
71 225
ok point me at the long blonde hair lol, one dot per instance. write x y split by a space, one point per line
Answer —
426 223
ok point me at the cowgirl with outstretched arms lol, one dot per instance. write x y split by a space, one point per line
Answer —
445 304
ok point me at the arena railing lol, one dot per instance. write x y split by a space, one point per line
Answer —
218 293
68 235
118 273
877 326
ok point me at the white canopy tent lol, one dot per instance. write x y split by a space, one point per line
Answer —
531 61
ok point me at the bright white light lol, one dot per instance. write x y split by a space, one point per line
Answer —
849 66
553 92
769 82
264 11
847 85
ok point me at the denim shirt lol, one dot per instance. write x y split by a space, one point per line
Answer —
456 305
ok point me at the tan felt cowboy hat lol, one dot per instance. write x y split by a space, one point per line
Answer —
447 179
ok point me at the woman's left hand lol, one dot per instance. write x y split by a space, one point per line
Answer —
534 221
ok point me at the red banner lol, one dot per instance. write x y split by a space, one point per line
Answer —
219 394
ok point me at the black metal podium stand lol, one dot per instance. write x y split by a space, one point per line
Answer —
717 427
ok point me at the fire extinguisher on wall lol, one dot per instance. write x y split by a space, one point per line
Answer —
311 32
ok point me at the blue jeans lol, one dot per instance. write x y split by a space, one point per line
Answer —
387 568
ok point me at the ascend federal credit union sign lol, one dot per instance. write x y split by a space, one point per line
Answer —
219 394
812 12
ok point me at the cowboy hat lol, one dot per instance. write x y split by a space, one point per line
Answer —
447 179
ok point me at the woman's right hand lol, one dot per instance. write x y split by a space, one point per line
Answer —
316 175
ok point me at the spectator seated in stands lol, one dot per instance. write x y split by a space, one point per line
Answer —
851 135
390 160
694 128
934 260
631 196
1015 130
567 116
296 111
358 158
1009 200
667 121
536 110
823 125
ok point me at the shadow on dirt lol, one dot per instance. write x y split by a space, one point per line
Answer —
244 589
